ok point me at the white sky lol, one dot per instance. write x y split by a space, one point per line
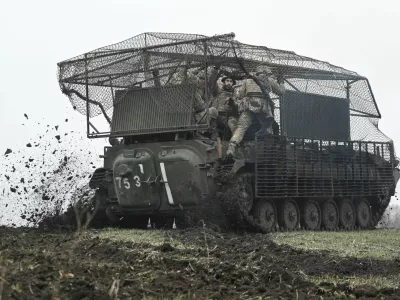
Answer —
361 36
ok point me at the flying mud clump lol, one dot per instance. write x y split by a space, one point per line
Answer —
46 175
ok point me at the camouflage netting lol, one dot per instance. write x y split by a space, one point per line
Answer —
162 60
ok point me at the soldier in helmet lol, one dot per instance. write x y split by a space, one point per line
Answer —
254 102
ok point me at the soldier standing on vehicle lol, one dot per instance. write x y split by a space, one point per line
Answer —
253 102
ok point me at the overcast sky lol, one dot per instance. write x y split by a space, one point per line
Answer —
362 36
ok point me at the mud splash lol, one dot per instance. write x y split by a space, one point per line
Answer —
42 179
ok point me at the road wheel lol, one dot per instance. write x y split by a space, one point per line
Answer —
265 213
330 215
363 214
311 215
347 214
289 215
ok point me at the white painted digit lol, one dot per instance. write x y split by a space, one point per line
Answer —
137 179
118 179
127 185
126 182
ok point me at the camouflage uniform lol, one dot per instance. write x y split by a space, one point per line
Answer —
200 110
216 113
200 106
223 102
253 102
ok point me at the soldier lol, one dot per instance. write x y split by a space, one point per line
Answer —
200 105
254 102
223 99
225 103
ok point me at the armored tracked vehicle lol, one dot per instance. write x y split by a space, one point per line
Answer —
322 164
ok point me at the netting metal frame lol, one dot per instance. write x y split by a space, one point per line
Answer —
90 80
297 167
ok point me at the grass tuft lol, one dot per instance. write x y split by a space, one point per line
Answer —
378 244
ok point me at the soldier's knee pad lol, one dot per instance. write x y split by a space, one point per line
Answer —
213 112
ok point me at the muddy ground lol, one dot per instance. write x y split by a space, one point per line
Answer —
195 263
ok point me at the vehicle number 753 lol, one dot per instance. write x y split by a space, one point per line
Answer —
125 182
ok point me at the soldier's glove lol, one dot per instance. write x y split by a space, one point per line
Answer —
229 104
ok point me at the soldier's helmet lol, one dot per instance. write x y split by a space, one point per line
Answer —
263 69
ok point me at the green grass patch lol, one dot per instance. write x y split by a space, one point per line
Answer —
137 236
373 280
378 244
152 237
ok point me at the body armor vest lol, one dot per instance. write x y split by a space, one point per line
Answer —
255 99
220 100
252 88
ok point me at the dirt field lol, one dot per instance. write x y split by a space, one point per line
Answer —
198 263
